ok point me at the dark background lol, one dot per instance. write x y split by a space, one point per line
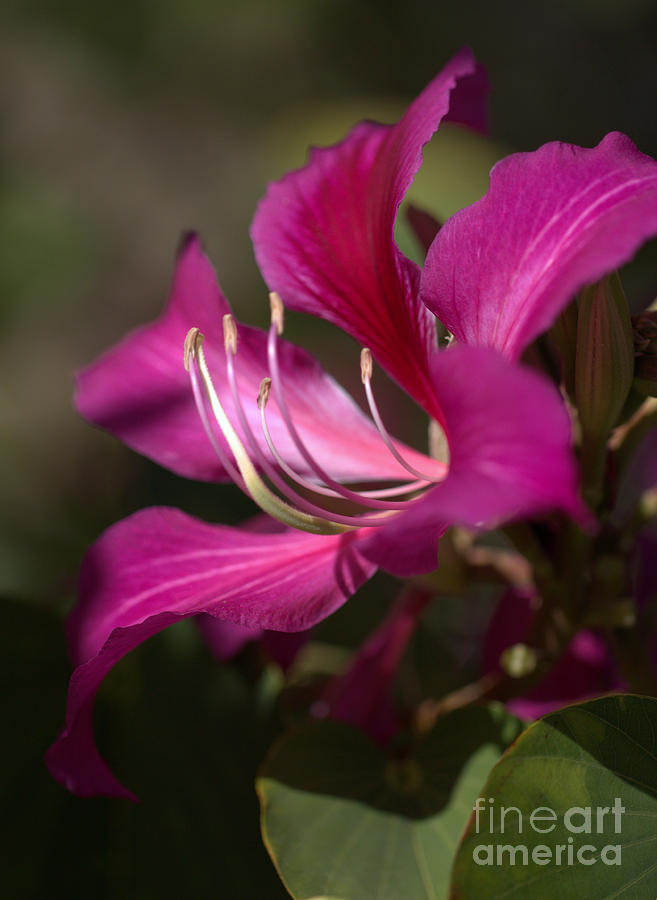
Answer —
123 124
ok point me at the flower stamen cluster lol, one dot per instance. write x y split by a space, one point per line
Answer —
294 510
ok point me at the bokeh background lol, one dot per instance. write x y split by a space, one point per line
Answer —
124 123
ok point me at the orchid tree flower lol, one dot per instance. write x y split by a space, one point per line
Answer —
255 409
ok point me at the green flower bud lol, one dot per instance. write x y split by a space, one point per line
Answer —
605 356
564 336
604 370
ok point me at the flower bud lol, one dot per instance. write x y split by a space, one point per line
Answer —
564 336
604 370
605 356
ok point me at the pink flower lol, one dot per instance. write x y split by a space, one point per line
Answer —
497 274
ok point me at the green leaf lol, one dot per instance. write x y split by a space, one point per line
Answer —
342 819
600 755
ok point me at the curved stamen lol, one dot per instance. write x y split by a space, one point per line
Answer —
258 490
230 343
263 395
272 353
366 369
199 400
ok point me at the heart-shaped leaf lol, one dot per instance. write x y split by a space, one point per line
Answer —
583 779
340 818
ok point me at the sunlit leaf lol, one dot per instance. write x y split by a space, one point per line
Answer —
588 774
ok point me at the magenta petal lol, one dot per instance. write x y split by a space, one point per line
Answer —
160 565
409 545
362 694
468 103
73 759
139 390
511 456
552 221
225 639
323 235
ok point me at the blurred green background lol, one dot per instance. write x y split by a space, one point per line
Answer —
122 125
